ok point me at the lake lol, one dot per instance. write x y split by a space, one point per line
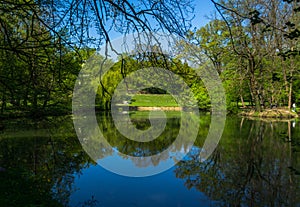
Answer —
256 163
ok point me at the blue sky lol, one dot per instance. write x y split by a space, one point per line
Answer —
203 8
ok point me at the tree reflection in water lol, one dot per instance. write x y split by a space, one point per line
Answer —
40 159
256 163
251 166
143 149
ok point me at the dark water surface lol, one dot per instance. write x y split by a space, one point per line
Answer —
257 163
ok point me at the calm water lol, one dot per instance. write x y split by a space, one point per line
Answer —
257 163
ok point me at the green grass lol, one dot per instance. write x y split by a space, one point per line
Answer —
145 114
153 100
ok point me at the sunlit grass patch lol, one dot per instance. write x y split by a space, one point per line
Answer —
153 100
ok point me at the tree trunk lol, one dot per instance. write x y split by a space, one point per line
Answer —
254 85
242 100
286 83
292 68
290 95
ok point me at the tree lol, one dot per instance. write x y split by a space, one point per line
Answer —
45 42
211 47
260 31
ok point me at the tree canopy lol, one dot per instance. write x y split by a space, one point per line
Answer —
253 45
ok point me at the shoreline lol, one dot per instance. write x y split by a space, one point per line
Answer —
279 113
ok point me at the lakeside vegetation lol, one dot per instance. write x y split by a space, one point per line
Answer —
253 47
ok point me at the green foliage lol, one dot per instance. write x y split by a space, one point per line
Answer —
125 66
255 52
200 93
37 70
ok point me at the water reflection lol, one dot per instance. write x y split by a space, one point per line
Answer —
257 163
251 166
39 161
137 159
